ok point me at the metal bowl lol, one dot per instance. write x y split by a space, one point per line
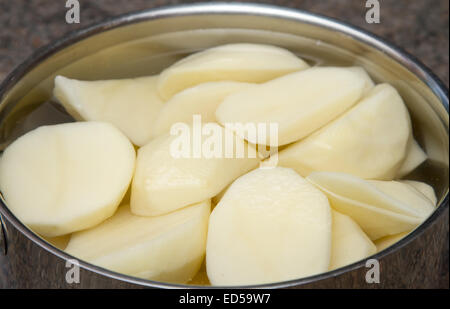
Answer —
145 42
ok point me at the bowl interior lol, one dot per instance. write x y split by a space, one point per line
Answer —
146 46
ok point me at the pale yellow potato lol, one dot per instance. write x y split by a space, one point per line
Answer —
132 105
369 141
415 156
167 248
299 103
349 243
271 225
200 100
253 63
388 241
163 182
64 178
201 278
377 213
406 194
127 196
423 188
59 242
368 82
216 199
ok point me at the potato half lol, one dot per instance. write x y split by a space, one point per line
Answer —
253 63
415 156
271 225
423 188
388 241
369 141
201 100
368 82
64 178
59 242
167 248
407 194
298 103
164 182
349 242
130 104
376 211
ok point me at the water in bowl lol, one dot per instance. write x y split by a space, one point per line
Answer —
148 56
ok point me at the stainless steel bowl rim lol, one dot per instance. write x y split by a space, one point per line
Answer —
396 53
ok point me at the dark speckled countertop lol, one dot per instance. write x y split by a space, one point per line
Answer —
419 26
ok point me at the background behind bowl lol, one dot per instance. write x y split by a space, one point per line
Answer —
420 26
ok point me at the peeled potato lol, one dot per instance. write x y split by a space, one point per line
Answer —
406 194
216 199
376 212
368 82
253 63
388 241
59 242
271 225
167 248
369 141
64 178
130 104
198 100
299 103
163 183
349 243
414 157
423 188
201 278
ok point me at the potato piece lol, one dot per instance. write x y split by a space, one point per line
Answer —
201 278
299 103
216 199
198 100
423 188
130 104
163 183
59 242
415 156
271 225
369 141
68 177
377 213
167 248
406 194
368 82
253 63
388 241
349 243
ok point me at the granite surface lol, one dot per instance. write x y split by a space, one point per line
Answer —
420 26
